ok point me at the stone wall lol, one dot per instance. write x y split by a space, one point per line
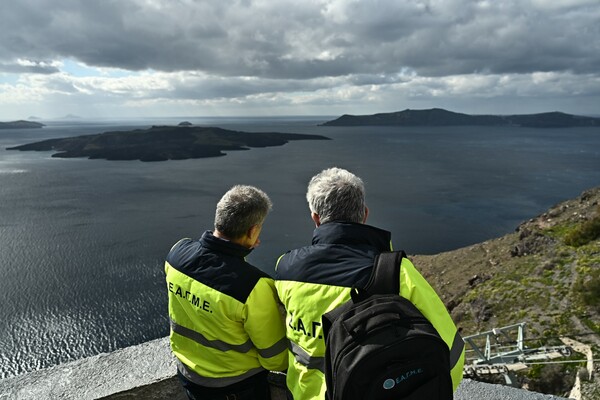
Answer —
147 371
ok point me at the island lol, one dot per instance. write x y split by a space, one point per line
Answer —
161 143
441 117
21 124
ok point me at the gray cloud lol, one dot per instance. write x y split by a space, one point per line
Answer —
303 40
287 55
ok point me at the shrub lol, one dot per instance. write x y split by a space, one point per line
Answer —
585 232
583 374
589 287
552 379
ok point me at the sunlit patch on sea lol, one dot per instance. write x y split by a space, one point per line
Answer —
60 332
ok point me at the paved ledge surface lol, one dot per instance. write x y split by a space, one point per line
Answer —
147 371
473 390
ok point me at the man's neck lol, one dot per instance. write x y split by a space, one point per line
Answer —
221 236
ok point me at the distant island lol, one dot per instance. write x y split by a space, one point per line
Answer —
441 117
21 124
161 143
70 117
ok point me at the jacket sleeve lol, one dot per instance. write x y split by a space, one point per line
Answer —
416 289
265 325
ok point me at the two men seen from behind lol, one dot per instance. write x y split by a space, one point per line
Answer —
226 328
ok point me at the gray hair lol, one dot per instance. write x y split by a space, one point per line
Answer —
241 208
337 195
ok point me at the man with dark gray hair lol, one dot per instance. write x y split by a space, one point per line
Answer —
226 328
315 279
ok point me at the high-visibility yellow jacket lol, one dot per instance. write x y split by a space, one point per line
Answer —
224 315
313 280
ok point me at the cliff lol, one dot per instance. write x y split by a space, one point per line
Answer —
440 117
546 273
551 262
160 143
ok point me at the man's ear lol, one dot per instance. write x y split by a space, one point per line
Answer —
366 214
252 231
315 217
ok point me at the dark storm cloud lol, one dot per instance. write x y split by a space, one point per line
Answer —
28 69
303 40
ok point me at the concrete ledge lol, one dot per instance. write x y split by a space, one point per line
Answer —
147 371
473 390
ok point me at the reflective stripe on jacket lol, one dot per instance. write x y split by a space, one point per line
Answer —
224 316
313 280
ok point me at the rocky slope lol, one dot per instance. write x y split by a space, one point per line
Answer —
546 273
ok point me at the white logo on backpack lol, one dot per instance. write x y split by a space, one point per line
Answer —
390 383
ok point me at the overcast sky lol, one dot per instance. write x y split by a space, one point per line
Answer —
136 58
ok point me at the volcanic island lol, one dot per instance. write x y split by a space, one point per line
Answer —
161 143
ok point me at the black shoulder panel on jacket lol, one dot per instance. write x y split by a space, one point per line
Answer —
341 254
337 265
227 273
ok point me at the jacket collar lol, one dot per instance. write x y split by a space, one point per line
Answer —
212 242
350 233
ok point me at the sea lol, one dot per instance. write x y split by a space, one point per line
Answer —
83 242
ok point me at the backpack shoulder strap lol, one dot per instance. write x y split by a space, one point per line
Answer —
385 278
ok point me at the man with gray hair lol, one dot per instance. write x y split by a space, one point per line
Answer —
226 328
315 279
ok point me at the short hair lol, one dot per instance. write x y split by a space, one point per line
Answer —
241 208
337 195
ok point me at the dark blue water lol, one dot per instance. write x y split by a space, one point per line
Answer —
82 242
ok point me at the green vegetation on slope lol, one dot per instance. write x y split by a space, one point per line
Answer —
546 274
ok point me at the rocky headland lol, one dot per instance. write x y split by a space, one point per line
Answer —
161 143
21 124
441 117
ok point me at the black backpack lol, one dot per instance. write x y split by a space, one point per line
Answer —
379 345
